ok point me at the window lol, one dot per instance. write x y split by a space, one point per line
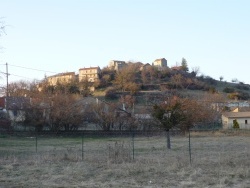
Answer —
246 121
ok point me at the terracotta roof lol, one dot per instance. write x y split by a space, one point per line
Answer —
236 114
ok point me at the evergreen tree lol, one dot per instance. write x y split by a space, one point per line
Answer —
184 65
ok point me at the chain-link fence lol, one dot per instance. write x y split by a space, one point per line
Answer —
199 158
118 146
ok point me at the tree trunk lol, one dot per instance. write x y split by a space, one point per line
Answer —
168 139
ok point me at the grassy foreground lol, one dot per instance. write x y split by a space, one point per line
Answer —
218 160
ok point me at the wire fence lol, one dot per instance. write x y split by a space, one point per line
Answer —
127 146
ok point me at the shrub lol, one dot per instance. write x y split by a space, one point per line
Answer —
212 90
233 96
119 153
111 93
196 86
208 80
228 90
242 87
243 96
236 124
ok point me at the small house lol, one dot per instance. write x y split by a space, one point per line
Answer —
160 63
243 119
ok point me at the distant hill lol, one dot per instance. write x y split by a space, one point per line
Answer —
151 81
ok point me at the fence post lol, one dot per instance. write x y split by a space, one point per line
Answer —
82 145
189 147
36 143
133 144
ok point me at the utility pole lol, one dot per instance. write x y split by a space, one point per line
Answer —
7 88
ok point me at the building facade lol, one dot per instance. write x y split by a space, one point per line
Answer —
243 118
145 67
62 78
160 63
91 74
116 65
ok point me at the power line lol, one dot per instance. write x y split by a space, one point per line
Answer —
20 76
31 68
46 71
16 75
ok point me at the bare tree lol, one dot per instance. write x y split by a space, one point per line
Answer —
125 79
177 80
104 115
196 112
221 78
35 115
124 121
65 113
23 88
195 71
84 87
127 101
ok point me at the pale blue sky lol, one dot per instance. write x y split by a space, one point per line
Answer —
60 35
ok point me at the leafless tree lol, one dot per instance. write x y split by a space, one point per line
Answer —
127 102
195 71
104 115
196 112
125 79
177 80
221 78
65 113
23 88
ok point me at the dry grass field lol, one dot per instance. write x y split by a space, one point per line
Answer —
219 159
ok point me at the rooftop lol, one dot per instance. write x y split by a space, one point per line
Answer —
236 114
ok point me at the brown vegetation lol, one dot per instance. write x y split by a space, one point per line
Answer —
217 161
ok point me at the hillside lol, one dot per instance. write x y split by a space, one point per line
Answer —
152 83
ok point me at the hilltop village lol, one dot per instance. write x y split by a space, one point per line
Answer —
125 95
95 74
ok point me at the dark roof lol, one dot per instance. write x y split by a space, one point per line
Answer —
89 68
118 61
62 74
